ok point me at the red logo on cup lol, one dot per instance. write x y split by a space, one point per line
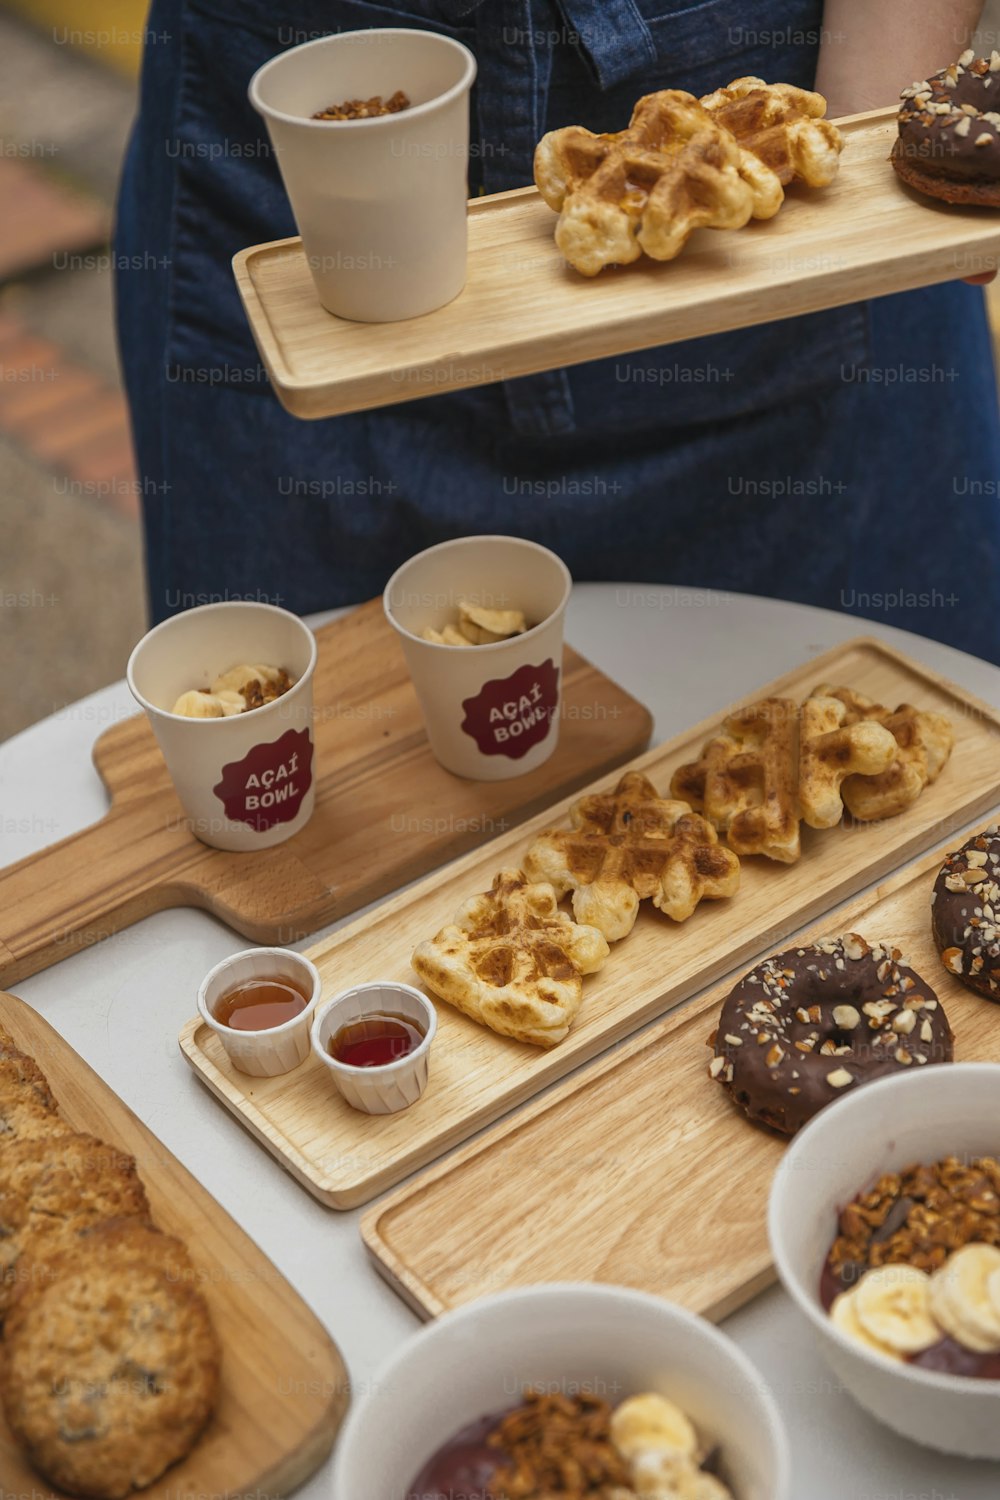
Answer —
266 787
509 716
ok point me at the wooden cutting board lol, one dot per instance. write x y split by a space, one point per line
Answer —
260 1442
345 1158
386 812
523 309
639 1170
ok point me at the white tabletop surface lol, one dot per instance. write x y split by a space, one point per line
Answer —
686 653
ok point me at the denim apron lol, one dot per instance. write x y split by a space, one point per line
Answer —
850 458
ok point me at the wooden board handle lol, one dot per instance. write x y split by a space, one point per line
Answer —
81 890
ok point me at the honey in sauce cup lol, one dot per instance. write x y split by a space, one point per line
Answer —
375 1039
260 1003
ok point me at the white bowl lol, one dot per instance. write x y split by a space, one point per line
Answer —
603 1339
277 1049
395 1085
915 1117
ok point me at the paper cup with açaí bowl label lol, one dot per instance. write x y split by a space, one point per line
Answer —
491 711
246 781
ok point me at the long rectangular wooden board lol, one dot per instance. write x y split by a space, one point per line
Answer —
345 1158
524 309
639 1171
386 812
260 1442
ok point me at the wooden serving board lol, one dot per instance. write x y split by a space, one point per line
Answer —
345 1158
386 812
639 1171
259 1442
524 309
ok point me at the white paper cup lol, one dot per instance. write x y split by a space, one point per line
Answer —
491 712
381 204
278 1049
397 1085
248 781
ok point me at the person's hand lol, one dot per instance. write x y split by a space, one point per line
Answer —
982 279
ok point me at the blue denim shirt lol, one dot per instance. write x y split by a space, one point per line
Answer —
764 460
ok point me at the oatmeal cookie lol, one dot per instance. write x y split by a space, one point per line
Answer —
28 1109
111 1366
52 1190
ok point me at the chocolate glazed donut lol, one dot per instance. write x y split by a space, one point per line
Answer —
805 1027
949 133
965 913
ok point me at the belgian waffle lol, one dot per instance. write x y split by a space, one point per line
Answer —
513 961
647 188
631 845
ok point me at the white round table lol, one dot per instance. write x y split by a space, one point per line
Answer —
684 652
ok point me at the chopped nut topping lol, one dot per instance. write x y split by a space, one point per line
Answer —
952 960
256 693
364 109
559 1446
839 1079
919 1216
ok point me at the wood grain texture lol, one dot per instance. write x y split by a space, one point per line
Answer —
284 1384
523 309
386 812
345 1158
640 1171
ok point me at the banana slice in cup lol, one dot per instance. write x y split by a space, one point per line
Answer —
483 627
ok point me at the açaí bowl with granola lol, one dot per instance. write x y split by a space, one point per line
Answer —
588 1392
885 1229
